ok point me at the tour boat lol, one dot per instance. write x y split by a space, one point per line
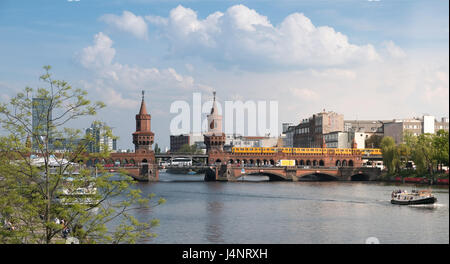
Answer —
415 197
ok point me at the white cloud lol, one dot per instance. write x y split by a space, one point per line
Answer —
112 79
304 94
156 20
393 50
99 55
128 22
242 36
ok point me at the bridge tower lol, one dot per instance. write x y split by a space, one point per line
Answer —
214 139
143 139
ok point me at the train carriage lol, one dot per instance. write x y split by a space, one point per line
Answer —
336 151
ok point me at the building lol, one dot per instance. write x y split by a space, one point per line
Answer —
41 113
100 140
309 133
369 127
344 139
177 141
414 126
287 135
443 124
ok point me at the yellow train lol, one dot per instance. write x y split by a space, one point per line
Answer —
340 151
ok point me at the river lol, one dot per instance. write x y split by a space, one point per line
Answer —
290 212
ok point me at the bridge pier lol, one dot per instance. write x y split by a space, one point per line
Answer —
150 173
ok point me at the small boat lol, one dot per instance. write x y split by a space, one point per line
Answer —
415 197
191 173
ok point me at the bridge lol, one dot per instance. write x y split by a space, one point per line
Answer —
219 164
300 173
196 158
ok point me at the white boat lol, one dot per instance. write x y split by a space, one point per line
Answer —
415 197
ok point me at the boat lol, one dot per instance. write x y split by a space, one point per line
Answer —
191 172
415 197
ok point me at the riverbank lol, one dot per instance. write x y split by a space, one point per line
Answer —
440 179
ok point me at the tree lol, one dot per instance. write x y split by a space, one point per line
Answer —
186 148
157 149
37 189
427 151
373 141
441 144
390 157
403 154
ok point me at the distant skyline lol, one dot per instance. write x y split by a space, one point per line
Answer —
364 59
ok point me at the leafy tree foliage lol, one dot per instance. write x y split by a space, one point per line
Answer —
186 148
43 177
428 152
374 141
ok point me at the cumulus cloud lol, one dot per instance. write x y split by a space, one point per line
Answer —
393 50
241 35
127 22
100 54
116 79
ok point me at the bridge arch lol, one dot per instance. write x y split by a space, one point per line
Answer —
272 162
301 162
360 177
338 163
350 163
344 163
315 163
308 163
321 163
272 176
318 177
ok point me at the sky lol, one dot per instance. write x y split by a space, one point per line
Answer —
375 59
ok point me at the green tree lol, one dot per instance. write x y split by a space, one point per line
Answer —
441 145
404 156
427 150
390 156
373 141
39 188
186 148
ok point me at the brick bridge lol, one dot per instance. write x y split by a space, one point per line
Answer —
233 173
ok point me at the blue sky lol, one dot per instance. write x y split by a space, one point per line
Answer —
365 59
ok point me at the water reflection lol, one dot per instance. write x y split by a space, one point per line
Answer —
214 209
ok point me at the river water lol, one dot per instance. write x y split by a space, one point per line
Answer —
254 211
